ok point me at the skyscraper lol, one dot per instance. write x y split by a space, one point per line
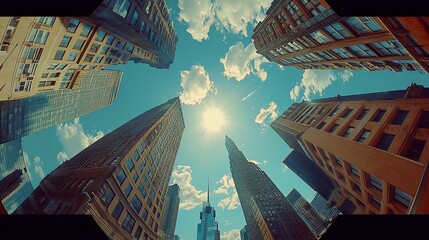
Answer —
311 217
372 146
308 34
321 206
50 53
25 116
208 228
170 211
268 213
121 180
15 184
308 171
244 233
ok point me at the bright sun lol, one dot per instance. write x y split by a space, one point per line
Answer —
213 120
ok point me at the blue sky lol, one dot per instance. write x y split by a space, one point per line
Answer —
215 65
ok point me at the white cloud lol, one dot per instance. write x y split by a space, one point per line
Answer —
227 187
265 113
235 16
316 81
199 14
240 61
248 96
62 157
226 183
231 235
232 16
74 139
254 161
196 85
190 197
38 167
346 75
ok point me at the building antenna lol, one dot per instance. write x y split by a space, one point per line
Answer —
208 190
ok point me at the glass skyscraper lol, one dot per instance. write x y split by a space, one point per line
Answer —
268 213
15 184
22 117
208 228
170 212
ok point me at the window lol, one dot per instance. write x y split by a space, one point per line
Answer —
121 176
135 18
72 56
321 125
144 214
402 197
61 66
149 202
348 132
379 115
104 49
52 66
325 154
364 136
121 7
376 183
68 75
38 36
79 44
385 141
375 201
94 47
363 24
400 117
73 25
106 194
88 58
354 170
65 41
49 21
128 223
129 163
130 48
142 190
136 155
424 120
138 232
415 149
319 37
128 190
347 113
363 114
140 168
338 161
337 31
98 59
86 30
334 112
117 211
100 36
362 50
54 74
149 4
136 203
135 177
59 55
333 128
356 188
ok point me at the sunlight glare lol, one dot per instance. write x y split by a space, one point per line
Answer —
213 120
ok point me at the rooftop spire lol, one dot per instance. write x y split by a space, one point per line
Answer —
208 190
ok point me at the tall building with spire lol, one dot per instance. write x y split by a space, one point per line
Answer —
208 228
121 180
268 213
